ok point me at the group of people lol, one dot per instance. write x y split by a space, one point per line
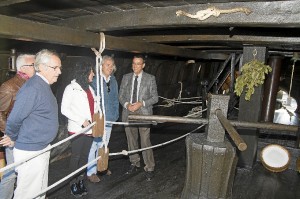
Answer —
27 106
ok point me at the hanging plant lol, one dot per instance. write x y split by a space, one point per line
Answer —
253 74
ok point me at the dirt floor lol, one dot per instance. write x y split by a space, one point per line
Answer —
169 178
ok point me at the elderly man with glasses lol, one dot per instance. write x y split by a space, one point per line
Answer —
8 92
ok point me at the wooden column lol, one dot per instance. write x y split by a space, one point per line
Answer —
250 111
271 89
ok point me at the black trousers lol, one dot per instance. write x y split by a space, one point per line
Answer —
81 146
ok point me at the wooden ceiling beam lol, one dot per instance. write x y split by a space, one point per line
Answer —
11 2
221 39
264 14
20 29
203 47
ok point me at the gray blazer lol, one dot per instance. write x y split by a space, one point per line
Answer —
147 93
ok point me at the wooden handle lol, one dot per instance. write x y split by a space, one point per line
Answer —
237 139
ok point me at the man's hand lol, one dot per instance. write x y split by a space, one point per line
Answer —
6 141
135 106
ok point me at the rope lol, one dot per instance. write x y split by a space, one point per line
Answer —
132 123
69 138
196 112
172 102
99 62
291 83
67 177
212 11
180 92
47 149
181 102
124 152
185 98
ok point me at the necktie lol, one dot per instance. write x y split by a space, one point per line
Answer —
134 93
108 86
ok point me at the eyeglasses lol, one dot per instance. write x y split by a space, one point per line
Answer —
54 67
137 64
108 86
28 65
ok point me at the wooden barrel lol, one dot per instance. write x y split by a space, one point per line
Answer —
210 168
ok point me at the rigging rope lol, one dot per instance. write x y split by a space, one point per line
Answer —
178 101
47 149
196 112
212 11
171 102
291 83
124 152
99 70
180 92
67 139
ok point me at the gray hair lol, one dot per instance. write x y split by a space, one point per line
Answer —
43 57
106 57
21 60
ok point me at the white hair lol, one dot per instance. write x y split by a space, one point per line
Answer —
21 60
43 57
106 57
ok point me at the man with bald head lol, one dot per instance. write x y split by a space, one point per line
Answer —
33 124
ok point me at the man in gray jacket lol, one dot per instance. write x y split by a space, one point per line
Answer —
138 93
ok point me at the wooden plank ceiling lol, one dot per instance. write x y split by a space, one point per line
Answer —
152 26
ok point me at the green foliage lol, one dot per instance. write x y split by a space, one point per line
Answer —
253 74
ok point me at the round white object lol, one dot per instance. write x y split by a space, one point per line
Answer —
275 157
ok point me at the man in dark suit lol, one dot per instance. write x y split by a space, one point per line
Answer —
138 93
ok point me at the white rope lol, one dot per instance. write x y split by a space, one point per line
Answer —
63 141
124 152
67 177
132 123
212 11
195 113
185 98
47 149
169 103
99 62
172 102
179 101
291 83
180 92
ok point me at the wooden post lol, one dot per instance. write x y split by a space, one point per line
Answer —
250 111
271 89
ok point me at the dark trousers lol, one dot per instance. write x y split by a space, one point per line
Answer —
81 146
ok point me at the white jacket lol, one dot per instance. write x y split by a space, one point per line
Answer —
75 106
